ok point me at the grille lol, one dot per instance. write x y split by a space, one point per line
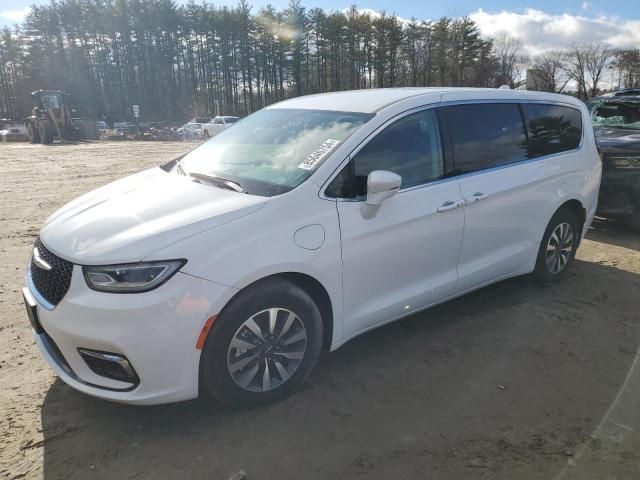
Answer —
51 284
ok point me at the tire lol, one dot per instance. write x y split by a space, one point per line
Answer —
72 133
553 266
32 132
45 130
235 376
206 134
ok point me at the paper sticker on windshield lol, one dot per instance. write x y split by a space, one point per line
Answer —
318 154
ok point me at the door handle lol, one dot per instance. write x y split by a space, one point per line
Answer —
449 205
476 197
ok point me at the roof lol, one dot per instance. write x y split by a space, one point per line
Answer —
627 98
368 100
374 99
627 92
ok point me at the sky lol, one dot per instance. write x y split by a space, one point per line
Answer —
539 24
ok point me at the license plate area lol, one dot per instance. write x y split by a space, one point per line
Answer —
32 311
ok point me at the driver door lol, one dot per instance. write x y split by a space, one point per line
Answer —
400 256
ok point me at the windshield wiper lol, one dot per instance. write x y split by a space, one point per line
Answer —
218 181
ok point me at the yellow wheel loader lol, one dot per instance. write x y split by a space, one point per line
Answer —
50 118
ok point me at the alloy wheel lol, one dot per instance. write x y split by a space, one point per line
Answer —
267 349
559 248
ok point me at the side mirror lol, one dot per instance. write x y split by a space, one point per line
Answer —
381 185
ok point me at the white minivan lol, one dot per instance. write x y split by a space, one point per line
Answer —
311 221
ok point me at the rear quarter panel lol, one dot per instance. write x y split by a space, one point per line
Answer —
574 175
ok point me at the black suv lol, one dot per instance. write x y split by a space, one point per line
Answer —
616 122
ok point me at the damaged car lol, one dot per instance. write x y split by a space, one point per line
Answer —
616 123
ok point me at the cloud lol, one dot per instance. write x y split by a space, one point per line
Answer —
15 16
539 31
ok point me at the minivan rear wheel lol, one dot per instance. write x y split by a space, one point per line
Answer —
558 247
263 346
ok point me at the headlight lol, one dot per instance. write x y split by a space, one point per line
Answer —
131 277
625 162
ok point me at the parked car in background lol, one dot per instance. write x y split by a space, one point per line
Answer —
312 221
616 121
102 126
191 130
217 125
124 128
14 133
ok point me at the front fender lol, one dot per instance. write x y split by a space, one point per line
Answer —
251 248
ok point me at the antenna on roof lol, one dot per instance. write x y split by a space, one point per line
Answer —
504 87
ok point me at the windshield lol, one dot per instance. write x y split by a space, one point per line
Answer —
617 113
273 150
50 101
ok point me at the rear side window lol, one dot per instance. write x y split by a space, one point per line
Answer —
410 147
485 135
552 128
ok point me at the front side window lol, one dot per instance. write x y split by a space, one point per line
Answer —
552 128
410 147
273 150
485 135
218 121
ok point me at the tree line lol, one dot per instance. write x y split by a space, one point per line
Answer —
177 61
583 67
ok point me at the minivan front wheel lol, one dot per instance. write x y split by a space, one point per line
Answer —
263 346
558 247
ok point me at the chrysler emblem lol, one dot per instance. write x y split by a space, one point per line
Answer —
39 261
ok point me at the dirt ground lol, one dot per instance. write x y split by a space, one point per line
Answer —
514 381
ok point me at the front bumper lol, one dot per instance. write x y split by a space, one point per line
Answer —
155 331
619 193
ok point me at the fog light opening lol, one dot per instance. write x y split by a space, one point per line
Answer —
109 365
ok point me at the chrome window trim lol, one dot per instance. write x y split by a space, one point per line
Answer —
401 115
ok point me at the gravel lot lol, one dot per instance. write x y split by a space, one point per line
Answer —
514 381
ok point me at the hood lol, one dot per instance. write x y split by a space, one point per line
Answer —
618 140
131 218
